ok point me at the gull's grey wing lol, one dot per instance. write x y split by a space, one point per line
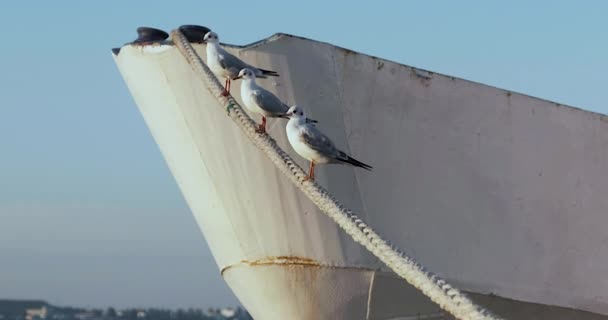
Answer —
319 142
234 65
269 102
231 63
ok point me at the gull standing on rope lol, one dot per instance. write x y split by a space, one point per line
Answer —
225 65
261 101
313 145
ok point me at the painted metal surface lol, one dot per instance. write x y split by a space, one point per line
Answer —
499 192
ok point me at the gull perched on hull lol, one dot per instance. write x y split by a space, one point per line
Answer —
313 145
261 101
225 65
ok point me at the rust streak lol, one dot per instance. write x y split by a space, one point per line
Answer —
283 260
279 260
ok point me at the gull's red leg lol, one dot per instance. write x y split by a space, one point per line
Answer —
226 91
262 127
311 172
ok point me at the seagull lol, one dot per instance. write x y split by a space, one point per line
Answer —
225 65
313 145
261 101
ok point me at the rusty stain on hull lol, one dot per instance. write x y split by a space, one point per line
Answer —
279 260
285 261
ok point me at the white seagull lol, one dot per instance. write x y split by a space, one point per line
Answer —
313 145
226 66
261 101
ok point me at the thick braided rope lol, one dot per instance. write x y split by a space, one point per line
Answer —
447 297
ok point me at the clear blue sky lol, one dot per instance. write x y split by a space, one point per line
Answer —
89 213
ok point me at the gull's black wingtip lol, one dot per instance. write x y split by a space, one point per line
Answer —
115 51
360 164
352 161
268 73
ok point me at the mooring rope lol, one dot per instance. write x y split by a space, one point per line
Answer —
438 290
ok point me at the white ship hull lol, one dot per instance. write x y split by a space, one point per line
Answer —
500 193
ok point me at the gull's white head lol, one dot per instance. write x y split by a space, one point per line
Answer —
246 74
211 37
295 112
